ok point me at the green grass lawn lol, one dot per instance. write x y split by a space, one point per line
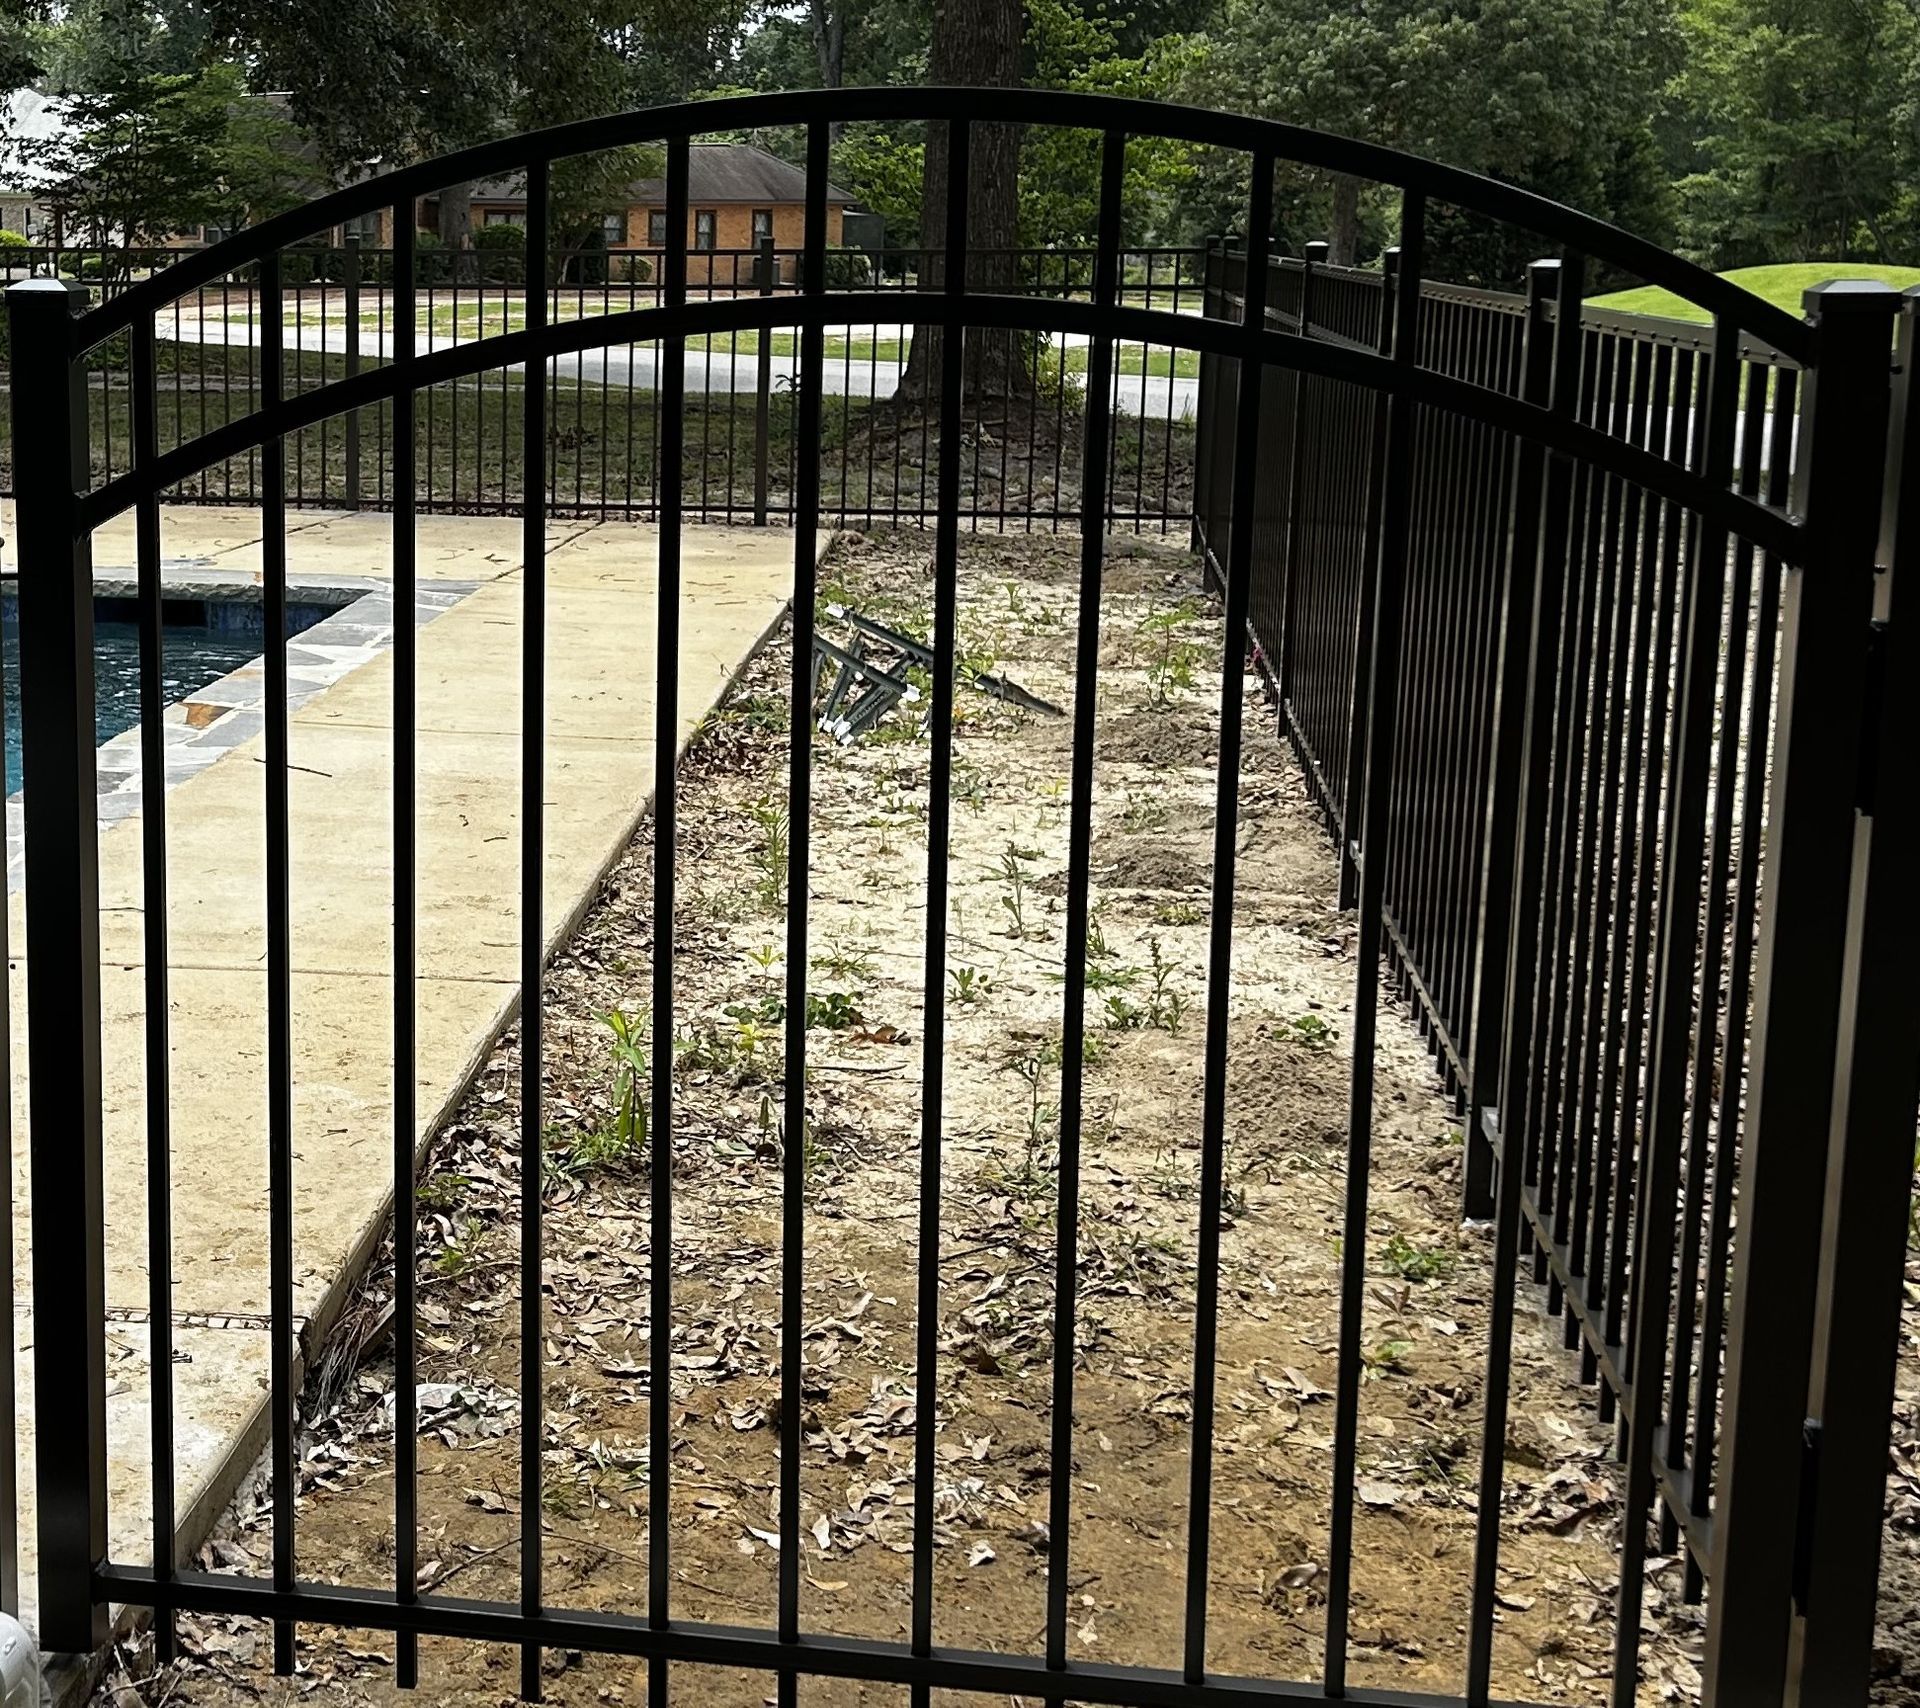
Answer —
1782 285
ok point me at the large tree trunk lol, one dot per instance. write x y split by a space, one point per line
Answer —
456 215
975 43
830 46
1343 234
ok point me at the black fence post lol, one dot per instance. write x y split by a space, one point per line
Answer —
50 447
1360 700
1499 850
1870 1177
1312 257
763 392
352 425
1825 651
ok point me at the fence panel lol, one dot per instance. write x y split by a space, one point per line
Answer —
1625 1075
878 447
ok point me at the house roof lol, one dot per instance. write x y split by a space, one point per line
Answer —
27 118
716 172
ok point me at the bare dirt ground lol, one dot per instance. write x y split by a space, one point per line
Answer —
1291 992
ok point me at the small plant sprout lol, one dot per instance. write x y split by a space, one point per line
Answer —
1171 659
1166 1007
970 985
628 1051
765 957
842 962
970 785
770 851
1313 1032
1416 1263
833 1009
1386 1359
1098 948
1033 1177
1012 873
1143 812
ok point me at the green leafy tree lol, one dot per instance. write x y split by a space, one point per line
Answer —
138 162
24 45
1559 95
95 43
390 81
1086 48
1802 118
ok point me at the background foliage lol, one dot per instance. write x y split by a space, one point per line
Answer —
1743 131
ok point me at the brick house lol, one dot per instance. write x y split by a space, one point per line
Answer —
736 195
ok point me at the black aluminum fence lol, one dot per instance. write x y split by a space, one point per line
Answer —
1585 762
1521 576
878 440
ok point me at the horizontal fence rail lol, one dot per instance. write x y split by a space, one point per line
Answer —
1567 616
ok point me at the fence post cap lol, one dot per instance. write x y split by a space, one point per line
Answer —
1318 250
1850 296
71 290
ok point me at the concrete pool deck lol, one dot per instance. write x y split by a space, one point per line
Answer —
601 581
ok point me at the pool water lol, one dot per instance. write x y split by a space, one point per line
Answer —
191 657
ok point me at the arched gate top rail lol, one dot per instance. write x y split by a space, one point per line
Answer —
1283 142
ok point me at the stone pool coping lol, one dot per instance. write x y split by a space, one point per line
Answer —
232 709
599 764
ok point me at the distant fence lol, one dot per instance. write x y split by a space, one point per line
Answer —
1527 902
879 450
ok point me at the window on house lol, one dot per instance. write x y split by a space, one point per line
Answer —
762 225
502 216
703 228
613 229
656 228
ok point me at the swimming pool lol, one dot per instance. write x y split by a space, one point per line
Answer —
226 635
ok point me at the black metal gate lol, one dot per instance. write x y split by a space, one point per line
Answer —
1489 553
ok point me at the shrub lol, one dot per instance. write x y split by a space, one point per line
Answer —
12 239
848 269
501 253
587 265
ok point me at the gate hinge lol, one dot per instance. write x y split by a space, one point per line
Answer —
1873 699
1808 1506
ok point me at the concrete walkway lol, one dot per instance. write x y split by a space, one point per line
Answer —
599 779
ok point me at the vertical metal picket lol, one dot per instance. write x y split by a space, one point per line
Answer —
1369 789
1547 547
1510 713
1360 699
1213 1116
763 393
351 361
